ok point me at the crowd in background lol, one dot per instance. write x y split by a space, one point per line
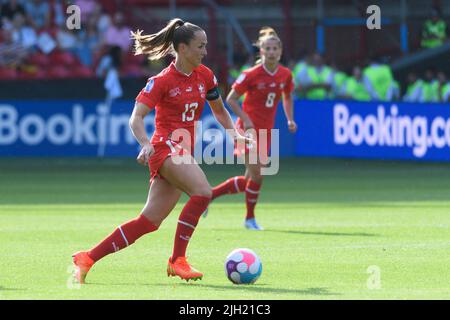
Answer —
373 82
35 43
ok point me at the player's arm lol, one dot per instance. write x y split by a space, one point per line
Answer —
138 129
223 117
288 107
233 102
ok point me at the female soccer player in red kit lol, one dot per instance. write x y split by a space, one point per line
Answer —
263 86
178 94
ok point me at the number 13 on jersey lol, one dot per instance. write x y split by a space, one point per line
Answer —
189 111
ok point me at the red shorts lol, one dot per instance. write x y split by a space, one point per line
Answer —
263 141
163 150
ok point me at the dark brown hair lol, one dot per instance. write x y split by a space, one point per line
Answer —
166 41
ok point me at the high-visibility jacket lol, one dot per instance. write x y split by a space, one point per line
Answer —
434 34
379 81
355 89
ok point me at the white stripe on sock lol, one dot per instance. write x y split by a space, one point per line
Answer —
186 224
252 191
236 184
123 236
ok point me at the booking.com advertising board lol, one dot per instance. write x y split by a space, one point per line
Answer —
325 129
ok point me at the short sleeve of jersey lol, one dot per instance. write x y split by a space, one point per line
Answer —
211 80
241 84
289 85
152 93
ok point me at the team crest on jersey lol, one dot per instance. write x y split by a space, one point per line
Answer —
201 88
149 86
281 85
241 78
174 92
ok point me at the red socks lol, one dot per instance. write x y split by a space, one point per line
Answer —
230 186
122 237
186 224
251 197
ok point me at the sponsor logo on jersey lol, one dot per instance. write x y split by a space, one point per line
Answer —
273 85
149 86
189 89
241 78
174 92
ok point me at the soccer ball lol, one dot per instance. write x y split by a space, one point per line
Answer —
242 266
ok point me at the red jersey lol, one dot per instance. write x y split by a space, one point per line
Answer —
262 91
178 99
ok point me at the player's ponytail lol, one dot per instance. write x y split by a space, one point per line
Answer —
166 41
266 33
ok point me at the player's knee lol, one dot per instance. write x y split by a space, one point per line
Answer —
204 191
256 177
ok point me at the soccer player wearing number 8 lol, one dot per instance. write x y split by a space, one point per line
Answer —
178 94
263 86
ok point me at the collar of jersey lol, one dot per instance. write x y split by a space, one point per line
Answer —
172 66
267 70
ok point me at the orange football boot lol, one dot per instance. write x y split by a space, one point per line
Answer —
183 269
82 264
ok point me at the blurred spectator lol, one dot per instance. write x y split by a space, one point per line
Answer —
444 87
415 88
430 91
315 81
67 39
118 34
102 19
445 92
87 8
8 10
11 53
353 88
59 12
88 43
22 33
109 67
378 80
338 80
434 32
38 13
394 93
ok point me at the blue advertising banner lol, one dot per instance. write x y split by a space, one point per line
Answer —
373 130
90 128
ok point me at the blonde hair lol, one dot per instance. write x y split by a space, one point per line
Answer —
266 33
166 41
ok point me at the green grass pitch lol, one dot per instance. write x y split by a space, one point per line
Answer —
335 229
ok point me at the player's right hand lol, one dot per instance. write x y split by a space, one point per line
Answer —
145 153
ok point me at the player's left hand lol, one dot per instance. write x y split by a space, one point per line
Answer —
292 126
245 140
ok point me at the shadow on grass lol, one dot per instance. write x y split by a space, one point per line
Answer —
318 233
314 233
262 288
2 289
